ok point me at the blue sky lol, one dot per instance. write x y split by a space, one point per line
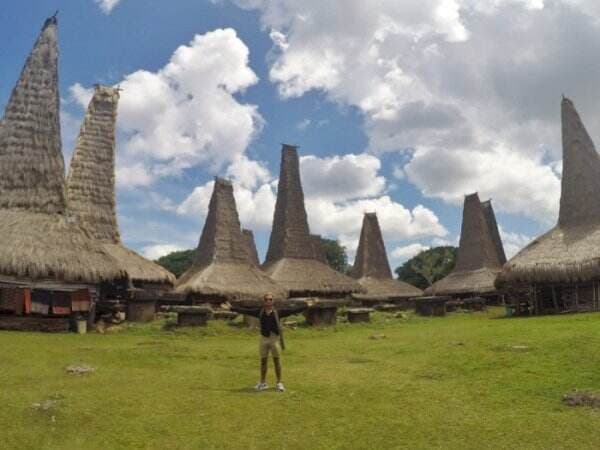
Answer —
396 107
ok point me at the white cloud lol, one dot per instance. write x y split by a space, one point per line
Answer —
424 77
185 114
341 177
513 242
107 5
401 254
521 184
303 124
156 251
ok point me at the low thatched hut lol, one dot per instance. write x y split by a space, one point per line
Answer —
91 198
372 269
49 266
560 270
223 269
292 259
479 258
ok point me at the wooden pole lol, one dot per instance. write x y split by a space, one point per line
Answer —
535 301
554 302
576 296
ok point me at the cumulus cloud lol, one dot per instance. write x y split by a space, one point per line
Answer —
428 85
404 253
341 177
107 5
156 251
185 114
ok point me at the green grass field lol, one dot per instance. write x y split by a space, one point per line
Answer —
452 382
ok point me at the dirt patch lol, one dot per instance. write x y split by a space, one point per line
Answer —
81 369
578 398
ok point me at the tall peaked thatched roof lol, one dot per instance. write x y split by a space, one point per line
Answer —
490 217
251 246
38 240
318 248
91 179
569 252
91 187
372 269
478 261
222 266
31 159
292 259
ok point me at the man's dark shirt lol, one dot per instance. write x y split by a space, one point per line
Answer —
268 324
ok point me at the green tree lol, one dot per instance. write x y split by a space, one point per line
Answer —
335 254
428 266
177 262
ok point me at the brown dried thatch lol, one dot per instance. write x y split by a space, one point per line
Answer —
477 262
318 248
91 187
291 259
372 269
569 252
40 245
222 267
490 217
251 246
38 240
31 158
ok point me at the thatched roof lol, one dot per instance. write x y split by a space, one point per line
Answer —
91 179
222 266
31 157
478 261
291 258
251 246
40 245
371 266
569 252
91 187
38 240
318 248
490 217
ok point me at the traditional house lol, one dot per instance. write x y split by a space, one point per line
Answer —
372 269
223 268
479 258
560 270
49 266
292 258
91 199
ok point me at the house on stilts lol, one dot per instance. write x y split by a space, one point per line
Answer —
480 256
293 258
50 267
91 198
560 270
223 269
372 269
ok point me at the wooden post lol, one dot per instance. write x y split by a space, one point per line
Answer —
554 302
576 296
535 301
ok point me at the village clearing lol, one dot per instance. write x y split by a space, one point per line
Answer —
467 380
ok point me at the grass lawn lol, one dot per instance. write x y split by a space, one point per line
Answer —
451 382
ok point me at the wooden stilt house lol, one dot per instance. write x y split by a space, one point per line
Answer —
560 270
50 267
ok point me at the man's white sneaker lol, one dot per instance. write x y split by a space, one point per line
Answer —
261 386
280 387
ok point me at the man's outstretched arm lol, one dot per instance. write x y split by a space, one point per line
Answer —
254 312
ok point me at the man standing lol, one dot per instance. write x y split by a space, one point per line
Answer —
271 336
